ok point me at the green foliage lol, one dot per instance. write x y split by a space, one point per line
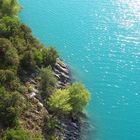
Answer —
72 100
59 102
9 8
20 134
20 55
50 55
9 27
28 61
10 107
6 76
5 45
50 125
79 97
38 56
9 56
48 82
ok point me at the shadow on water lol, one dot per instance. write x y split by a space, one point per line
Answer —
87 129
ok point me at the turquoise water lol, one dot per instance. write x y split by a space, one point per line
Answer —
100 40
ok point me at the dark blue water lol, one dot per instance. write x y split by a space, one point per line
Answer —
100 40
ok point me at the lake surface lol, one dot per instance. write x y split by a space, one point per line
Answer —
100 40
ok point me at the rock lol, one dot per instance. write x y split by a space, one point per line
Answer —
35 90
40 104
61 69
62 73
32 94
32 81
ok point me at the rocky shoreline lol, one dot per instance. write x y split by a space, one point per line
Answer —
62 73
71 127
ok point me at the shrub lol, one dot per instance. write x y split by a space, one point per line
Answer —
79 97
38 56
48 82
28 61
9 8
5 44
11 58
9 27
71 100
8 54
50 55
10 107
59 102
20 134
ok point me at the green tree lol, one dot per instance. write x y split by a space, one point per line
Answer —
9 8
9 27
38 56
50 55
71 100
79 97
48 82
28 61
10 107
6 76
5 44
20 134
9 55
59 102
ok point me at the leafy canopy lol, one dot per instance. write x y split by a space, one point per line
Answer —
79 97
59 102
48 82
10 107
20 134
72 100
9 8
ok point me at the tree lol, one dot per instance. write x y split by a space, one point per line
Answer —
71 100
38 56
48 82
6 76
28 61
10 107
9 55
20 134
50 56
5 44
79 97
59 102
9 27
9 8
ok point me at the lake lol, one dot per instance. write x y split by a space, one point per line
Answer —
100 41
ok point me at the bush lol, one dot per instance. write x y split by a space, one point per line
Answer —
72 100
9 27
50 55
12 58
38 56
28 61
8 53
19 134
9 8
6 76
48 82
59 102
79 97
10 107
5 44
